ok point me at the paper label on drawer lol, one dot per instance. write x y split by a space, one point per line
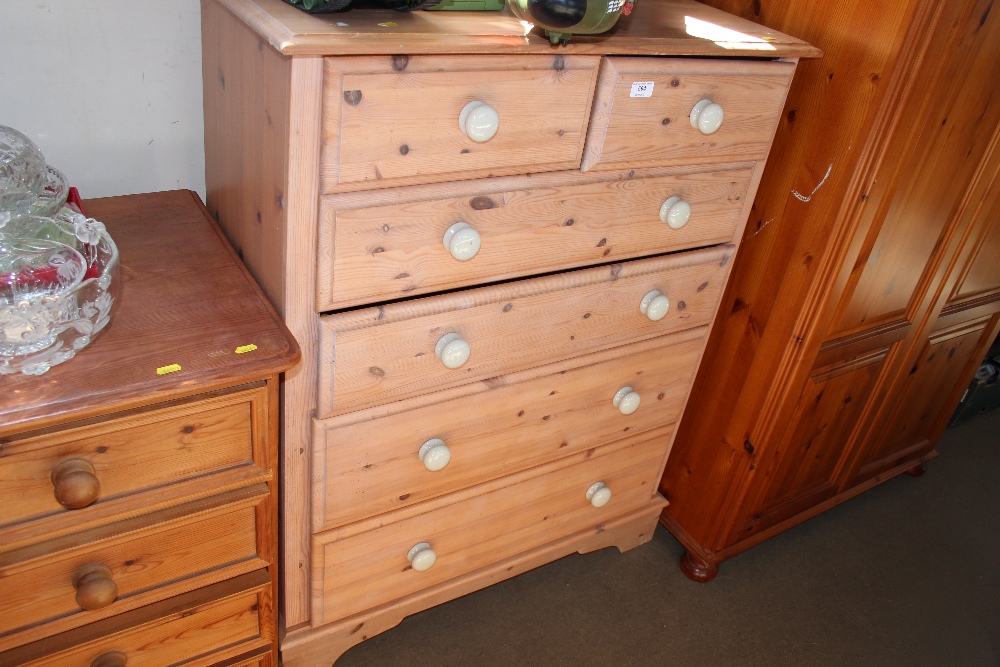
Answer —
642 89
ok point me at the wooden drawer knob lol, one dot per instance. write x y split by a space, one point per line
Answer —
598 494
95 589
626 400
110 659
675 212
435 454
706 116
654 305
452 350
462 241
421 556
75 484
479 121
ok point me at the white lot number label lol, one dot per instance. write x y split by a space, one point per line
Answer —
642 89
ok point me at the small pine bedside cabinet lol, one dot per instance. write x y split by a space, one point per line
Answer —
139 480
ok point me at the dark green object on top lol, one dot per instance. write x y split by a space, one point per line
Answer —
562 19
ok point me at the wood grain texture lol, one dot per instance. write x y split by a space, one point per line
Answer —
543 103
186 462
206 307
150 559
473 532
654 28
308 646
629 131
370 465
387 353
842 280
129 454
389 245
209 626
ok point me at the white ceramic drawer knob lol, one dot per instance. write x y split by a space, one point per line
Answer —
479 121
452 350
675 212
421 556
706 116
435 454
462 241
598 494
654 305
626 400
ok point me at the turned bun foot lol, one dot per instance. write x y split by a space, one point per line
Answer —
696 570
917 471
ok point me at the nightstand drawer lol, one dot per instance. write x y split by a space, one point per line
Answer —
401 243
396 120
92 465
115 568
369 462
632 128
388 353
479 527
217 623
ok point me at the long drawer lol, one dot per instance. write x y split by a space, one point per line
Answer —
405 242
645 111
118 567
399 120
367 462
479 527
204 627
376 355
86 467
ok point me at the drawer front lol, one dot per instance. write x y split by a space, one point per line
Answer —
630 131
391 245
120 567
208 627
376 355
368 464
116 457
354 572
395 120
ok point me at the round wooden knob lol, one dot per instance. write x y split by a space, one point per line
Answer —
626 400
654 305
452 350
598 494
706 116
462 241
95 589
75 484
421 556
110 659
479 121
435 454
675 212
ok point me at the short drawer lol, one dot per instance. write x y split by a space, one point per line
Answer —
392 244
210 626
367 463
377 355
644 111
396 120
109 460
366 564
115 568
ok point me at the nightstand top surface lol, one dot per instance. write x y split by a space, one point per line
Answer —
184 300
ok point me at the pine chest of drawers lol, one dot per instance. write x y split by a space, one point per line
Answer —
138 481
501 259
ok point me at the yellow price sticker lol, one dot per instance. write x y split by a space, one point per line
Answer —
243 349
172 368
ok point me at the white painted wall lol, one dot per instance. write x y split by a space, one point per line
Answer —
110 90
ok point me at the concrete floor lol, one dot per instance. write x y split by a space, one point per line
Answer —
905 574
